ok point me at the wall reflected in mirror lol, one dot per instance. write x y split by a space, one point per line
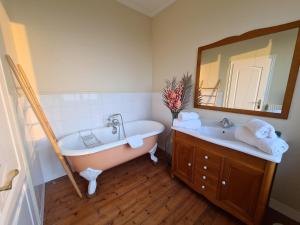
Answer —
250 74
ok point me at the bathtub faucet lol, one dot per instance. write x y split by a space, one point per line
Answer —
114 122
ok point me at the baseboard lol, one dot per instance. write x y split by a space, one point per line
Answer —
43 205
284 209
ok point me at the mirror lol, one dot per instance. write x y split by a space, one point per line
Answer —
254 73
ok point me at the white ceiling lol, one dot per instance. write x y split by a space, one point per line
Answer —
147 7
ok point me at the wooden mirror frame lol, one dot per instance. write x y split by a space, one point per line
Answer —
246 36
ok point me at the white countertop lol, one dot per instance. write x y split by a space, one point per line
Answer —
225 137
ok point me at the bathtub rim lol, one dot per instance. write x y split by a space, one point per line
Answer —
86 151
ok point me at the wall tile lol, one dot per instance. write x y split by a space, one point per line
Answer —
69 113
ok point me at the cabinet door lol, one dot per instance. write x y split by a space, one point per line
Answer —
184 160
240 186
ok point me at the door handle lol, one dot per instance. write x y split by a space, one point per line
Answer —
8 186
258 103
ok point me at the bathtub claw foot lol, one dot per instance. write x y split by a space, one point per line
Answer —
91 175
152 155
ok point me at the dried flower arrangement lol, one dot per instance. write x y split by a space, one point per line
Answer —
176 95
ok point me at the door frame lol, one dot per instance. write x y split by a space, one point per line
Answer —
24 176
270 78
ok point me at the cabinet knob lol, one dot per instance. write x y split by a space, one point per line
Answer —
223 182
204 177
189 164
203 186
205 157
205 167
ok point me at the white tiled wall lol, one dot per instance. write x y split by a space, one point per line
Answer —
72 112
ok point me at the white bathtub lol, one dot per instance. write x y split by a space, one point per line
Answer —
91 162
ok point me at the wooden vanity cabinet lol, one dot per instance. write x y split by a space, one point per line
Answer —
235 181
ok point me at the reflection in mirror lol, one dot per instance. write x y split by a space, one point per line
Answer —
250 74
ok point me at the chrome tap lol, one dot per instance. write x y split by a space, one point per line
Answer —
226 123
114 122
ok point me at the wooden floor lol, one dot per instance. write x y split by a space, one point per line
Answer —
135 193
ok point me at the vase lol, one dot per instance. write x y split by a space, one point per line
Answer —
169 140
174 116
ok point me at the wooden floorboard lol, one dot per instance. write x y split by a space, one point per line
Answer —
136 192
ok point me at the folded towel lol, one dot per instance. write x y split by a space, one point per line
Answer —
189 124
135 141
261 129
273 146
184 116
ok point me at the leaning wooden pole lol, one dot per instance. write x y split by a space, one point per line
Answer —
35 104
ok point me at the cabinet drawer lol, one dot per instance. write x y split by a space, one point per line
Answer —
207 168
202 177
208 156
207 190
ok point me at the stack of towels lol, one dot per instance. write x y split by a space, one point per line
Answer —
188 120
261 135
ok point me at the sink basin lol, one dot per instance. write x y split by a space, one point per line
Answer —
218 133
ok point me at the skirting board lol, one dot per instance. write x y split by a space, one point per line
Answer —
285 210
42 205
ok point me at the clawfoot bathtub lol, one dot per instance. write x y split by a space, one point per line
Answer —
110 151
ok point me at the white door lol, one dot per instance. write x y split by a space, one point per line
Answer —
15 205
247 86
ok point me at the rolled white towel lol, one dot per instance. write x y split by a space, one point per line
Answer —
184 116
273 146
189 124
135 141
261 129
244 134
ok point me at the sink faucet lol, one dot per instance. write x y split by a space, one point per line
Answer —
226 123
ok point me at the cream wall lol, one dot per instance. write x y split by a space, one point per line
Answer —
98 46
177 33
23 51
